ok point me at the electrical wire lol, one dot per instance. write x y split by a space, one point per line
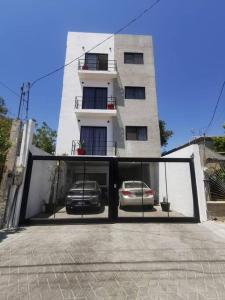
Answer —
109 37
215 109
9 89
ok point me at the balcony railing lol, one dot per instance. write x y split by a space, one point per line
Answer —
93 65
108 103
100 148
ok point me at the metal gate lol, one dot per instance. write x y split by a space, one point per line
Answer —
70 189
215 175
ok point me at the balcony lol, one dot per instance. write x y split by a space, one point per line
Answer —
101 69
94 147
101 106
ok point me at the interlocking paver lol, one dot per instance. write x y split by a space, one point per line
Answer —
114 261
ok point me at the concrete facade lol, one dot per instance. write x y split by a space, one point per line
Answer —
128 113
132 112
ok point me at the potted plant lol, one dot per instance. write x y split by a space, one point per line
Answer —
110 106
165 205
85 67
80 149
47 207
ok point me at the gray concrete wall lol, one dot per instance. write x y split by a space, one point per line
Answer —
136 112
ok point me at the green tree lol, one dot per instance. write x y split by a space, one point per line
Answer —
5 127
165 134
219 142
45 138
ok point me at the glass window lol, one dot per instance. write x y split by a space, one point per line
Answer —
84 184
133 58
96 61
134 92
135 184
136 133
94 98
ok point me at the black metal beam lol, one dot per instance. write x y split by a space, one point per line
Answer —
23 208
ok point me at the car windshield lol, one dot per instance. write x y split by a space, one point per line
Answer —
135 185
85 185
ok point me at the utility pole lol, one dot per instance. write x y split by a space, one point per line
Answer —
23 109
204 150
12 176
21 100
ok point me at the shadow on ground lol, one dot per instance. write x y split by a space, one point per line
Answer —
137 208
4 233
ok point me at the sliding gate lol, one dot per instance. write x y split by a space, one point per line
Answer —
109 189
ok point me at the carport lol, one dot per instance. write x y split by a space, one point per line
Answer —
49 178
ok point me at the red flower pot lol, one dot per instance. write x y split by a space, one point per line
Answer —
85 67
81 151
110 106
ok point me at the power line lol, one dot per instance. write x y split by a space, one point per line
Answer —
116 32
9 89
215 109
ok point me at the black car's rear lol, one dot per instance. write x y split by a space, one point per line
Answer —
83 195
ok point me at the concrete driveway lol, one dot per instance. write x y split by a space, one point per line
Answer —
114 261
126 212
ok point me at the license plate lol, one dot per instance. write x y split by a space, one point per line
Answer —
138 193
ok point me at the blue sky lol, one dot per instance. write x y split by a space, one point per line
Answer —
189 51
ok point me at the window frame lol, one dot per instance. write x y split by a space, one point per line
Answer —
137 133
97 63
135 60
134 96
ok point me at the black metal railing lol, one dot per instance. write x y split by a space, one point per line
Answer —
108 103
93 65
101 148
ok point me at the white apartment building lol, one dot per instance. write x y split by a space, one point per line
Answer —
109 104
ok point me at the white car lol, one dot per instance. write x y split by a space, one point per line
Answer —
135 193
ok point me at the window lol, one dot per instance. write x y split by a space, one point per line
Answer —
95 140
94 98
136 133
96 61
133 58
135 185
134 92
101 178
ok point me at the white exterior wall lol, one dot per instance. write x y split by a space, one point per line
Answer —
69 128
187 152
179 188
40 184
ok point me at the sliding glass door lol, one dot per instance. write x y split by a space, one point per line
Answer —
95 140
96 61
94 98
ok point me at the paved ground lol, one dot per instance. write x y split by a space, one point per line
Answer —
128 212
114 261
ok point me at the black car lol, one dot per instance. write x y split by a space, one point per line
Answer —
83 195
